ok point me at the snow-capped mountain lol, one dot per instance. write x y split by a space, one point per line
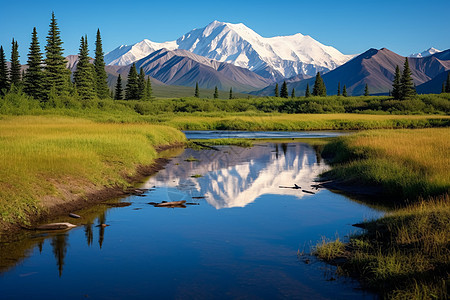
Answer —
426 53
274 58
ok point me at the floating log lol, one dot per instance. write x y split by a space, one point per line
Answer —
198 197
75 216
118 204
309 192
295 187
56 226
206 146
172 203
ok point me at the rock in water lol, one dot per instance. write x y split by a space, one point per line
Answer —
56 226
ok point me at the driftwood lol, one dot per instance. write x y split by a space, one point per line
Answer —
206 146
169 204
309 192
56 226
75 216
295 187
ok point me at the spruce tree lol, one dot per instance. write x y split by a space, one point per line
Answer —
231 93
293 93
443 88
56 73
148 90
34 76
396 84
447 86
284 90
277 94
339 89
101 85
307 93
14 71
319 87
83 76
141 85
118 90
216 93
366 90
4 81
407 84
344 91
196 94
132 87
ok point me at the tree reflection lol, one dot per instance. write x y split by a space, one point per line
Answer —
89 233
59 244
101 221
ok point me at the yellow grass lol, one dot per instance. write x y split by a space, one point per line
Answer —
37 153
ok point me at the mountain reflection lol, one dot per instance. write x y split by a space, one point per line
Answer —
235 177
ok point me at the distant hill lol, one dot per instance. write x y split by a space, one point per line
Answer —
375 68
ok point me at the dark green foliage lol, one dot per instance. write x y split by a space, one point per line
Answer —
101 85
83 76
148 95
196 94
443 88
56 73
14 72
293 93
119 90
284 90
4 81
407 89
277 94
319 87
366 90
231 93
132 87
34 76
344 91
339 89
307 93
141 85
396 84
447 87
216 93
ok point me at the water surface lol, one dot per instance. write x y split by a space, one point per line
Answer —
240 240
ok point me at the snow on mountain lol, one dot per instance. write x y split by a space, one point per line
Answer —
274 58
426 53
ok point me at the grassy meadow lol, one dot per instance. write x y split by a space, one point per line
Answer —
42 156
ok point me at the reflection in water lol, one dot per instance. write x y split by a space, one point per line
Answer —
59 244
89 233
235 176
101 228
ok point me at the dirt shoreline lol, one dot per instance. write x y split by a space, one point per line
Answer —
58 207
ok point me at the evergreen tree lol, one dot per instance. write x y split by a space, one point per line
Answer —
366 90
319 87
83 76
141 85
339 89
101 86
56 73
307 93
344 91
447 86
216 93
197 94
277 94
4 81
34 76
407 84
231 93
293 93
396 84
148 90
443 88
284 90
14 71
118 90
132 87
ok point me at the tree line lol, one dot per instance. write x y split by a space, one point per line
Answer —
48 77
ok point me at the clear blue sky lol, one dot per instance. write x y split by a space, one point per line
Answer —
403 26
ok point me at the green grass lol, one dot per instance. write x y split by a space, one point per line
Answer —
407 164
404 255
41 156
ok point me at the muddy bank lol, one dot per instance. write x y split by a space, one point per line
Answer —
79 195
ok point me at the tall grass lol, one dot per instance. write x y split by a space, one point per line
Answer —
408 164
39 153
404 255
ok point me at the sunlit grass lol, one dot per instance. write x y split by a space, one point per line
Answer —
38 152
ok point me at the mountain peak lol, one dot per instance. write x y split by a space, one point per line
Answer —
428 52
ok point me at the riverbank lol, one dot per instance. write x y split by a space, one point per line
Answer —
51 164
406 254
